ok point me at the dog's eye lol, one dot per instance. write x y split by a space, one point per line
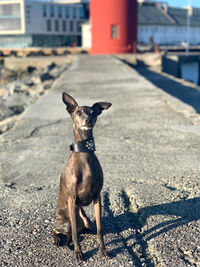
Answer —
79 112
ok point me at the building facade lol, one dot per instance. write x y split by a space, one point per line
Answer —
167 25
26 23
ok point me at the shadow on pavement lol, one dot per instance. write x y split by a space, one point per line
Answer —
186 94
120 223
183 211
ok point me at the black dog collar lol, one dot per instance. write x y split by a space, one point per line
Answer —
87 146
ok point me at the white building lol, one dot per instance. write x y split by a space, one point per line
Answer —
167 25
40 23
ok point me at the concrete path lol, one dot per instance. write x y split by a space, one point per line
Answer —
148 145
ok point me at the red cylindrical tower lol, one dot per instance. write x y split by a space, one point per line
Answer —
113 26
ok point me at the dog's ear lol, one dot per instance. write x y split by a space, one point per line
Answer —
99 106
69 102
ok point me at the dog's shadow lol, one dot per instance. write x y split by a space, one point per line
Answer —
182 212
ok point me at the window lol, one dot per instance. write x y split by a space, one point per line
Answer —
48 25
52 11
15 9
67 12
56 25
44 10
28 13
114 31
10 10
7 9
64 28
74 12
10 25
71 26
78 25
82 13
60 11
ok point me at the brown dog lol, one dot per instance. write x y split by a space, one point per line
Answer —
82 178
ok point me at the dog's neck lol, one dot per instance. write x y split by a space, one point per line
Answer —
80 134
84 141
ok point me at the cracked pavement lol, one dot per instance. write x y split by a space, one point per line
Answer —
148 145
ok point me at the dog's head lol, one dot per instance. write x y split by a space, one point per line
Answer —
84 117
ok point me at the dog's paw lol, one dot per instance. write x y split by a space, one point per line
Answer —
104 253
79 255
56 239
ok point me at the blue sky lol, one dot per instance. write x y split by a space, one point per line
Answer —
180 3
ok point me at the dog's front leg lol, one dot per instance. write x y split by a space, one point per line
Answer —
97 212
72 214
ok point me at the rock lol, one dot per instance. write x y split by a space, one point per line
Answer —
25 89
4 128
51 66
17 88
3 92
30 83
22 87
7 76
47 85
4 111
18 99
56 72
46 76
17 109
11 87
36 79
30 69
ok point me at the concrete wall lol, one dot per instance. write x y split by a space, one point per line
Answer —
171 65
186 67
190 71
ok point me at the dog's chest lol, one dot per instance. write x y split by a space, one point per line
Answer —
89 180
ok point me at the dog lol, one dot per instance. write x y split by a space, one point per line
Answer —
81 180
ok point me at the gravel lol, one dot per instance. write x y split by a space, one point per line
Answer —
148 146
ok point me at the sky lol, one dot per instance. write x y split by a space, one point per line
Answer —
181 3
